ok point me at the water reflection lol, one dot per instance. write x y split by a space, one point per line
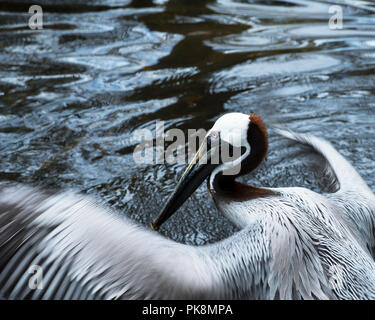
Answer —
72 94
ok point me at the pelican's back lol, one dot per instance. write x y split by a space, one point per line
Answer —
352 195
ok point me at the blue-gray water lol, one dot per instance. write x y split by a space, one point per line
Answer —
72 94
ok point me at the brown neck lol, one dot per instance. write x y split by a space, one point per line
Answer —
258 140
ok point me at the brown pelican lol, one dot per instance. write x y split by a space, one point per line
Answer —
293 243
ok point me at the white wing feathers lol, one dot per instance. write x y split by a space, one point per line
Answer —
88 252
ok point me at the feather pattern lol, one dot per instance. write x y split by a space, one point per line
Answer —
353 196
88 251
308 239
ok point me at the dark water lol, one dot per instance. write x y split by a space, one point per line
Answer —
72 94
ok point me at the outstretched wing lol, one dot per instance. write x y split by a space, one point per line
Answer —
63 246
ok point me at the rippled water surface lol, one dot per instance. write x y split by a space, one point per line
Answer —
72 94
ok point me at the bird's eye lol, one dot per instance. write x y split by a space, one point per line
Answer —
214 135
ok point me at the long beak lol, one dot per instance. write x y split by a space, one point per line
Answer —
197 171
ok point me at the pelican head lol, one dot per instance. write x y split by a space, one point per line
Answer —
235 145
